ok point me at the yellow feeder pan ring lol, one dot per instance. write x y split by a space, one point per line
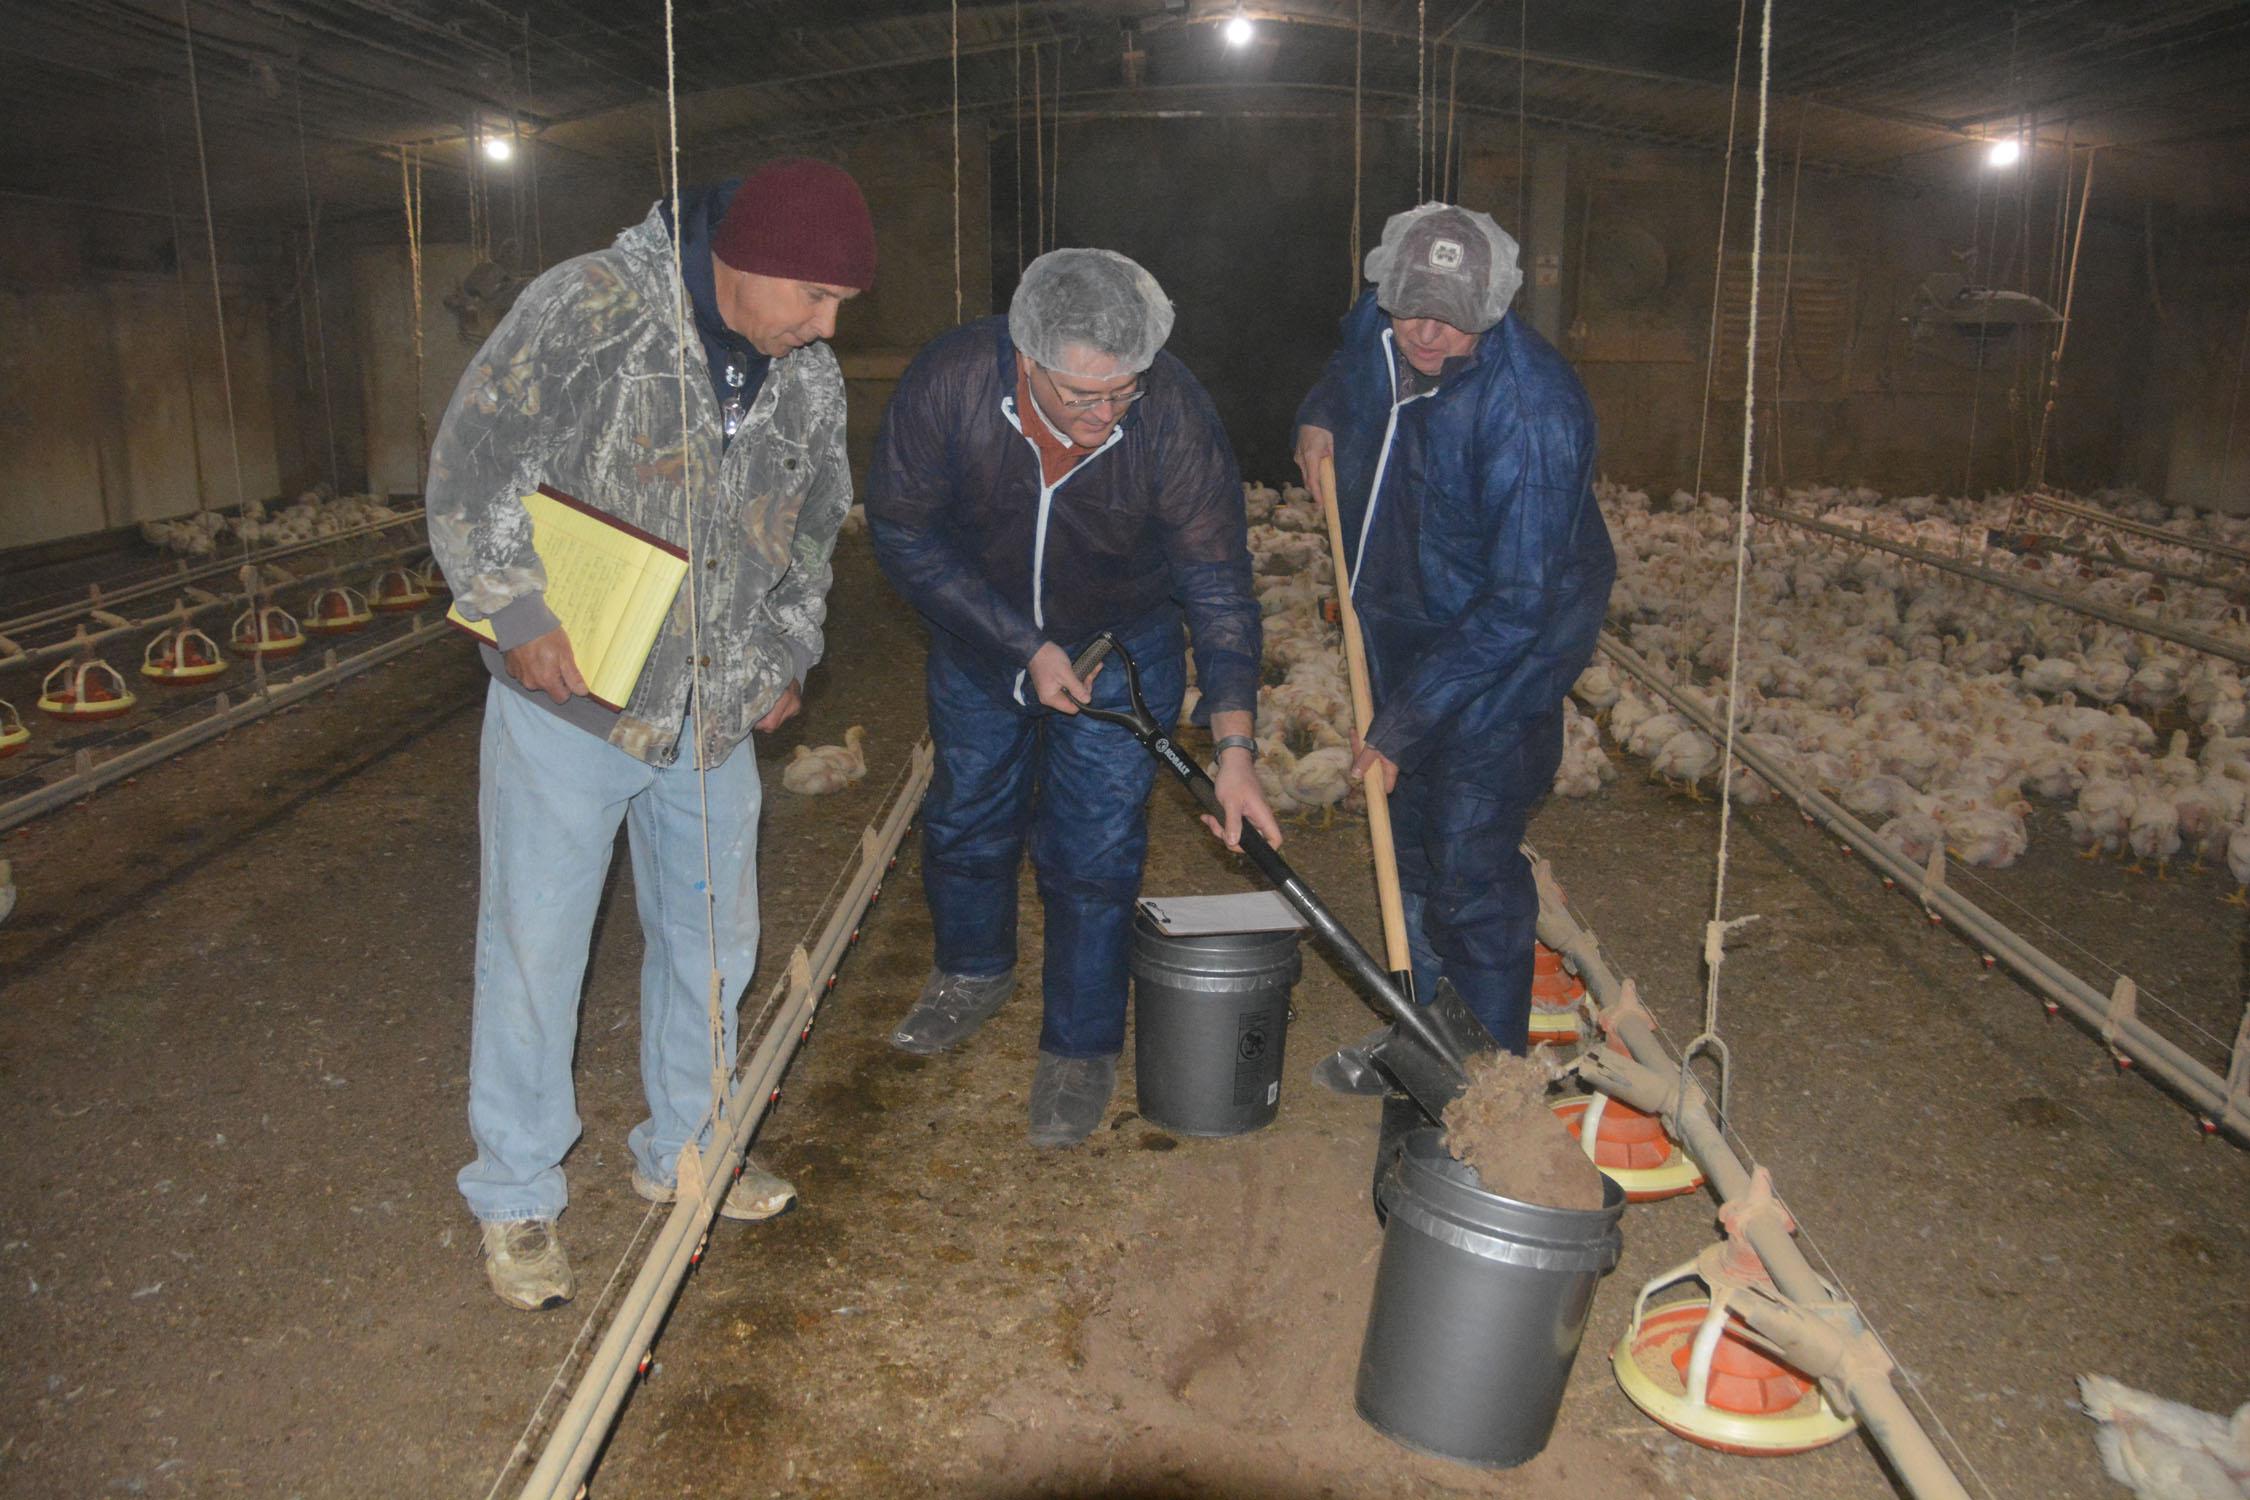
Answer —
85 690
336 610
182 654
397 591
269 632
1632 1148
1553 1028
1751 1403
13 736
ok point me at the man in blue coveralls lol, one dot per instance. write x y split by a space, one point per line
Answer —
1038 479
1480 568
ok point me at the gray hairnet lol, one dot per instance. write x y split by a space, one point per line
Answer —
1094 299
1444 262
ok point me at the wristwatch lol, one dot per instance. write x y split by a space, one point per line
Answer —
1235 742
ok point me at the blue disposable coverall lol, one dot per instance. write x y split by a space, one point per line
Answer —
1146 530
1481 571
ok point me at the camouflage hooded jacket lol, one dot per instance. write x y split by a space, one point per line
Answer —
578 388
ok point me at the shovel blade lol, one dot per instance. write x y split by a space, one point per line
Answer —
1434 1076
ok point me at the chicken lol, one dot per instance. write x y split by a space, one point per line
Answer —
1686 758
815 771
1320 778
2154 829
2162 1450
2104 811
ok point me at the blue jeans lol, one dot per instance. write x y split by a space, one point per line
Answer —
1472 908
1077 790
550 798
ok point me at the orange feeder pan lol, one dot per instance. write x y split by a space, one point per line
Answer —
337 610
269 632
13 736
397 592
1750 1404
1631 1148
85 690
1555 993
182 654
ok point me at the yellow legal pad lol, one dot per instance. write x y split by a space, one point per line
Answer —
610 584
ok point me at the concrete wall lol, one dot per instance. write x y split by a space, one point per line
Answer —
908 179
1848 392
99 371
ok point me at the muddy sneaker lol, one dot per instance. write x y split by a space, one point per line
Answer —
951 1008
1068 1096
757 1194
525 1261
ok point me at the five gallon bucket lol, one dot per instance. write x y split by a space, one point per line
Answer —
1210 1015
1480 1302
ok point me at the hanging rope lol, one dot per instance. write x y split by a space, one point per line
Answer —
956 160
211 242
1038 156
2234 413
1777 458
530 147
714 1004
1018 50
1054 159
1523 55
1719 266
2062 335
1715 932
1421 103
1359 54
312 273
410 192
1976 380
187 345
1452 99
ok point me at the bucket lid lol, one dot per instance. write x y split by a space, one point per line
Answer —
1428 1191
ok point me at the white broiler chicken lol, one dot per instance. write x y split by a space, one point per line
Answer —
815 771
2238 864
2103 813
1916 835
1321 777
1685 759
2162 1450
1596 687
2154 830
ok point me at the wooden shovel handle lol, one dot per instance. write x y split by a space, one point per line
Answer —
1395 949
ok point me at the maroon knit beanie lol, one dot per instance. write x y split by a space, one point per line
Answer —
800 219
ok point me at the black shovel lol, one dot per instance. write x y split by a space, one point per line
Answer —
1426 1049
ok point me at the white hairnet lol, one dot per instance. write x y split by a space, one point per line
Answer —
1452 264
1089 300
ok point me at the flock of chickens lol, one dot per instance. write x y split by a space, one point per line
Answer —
311 516
1934 707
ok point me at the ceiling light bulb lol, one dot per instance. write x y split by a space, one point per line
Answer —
2003 153
1239 30
498 148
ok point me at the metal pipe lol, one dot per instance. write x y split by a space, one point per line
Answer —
1646 1078
2137 528
92 775
584 1425
185 575
182 612
2222 1110
2194 640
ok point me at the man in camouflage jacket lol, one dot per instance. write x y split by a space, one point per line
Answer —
580 389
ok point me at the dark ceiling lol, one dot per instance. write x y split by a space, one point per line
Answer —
97 106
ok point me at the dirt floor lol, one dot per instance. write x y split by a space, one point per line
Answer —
233 1033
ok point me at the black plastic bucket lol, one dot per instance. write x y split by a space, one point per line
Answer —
1480 1302
1210 1016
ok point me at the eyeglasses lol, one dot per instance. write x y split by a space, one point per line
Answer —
1116 401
